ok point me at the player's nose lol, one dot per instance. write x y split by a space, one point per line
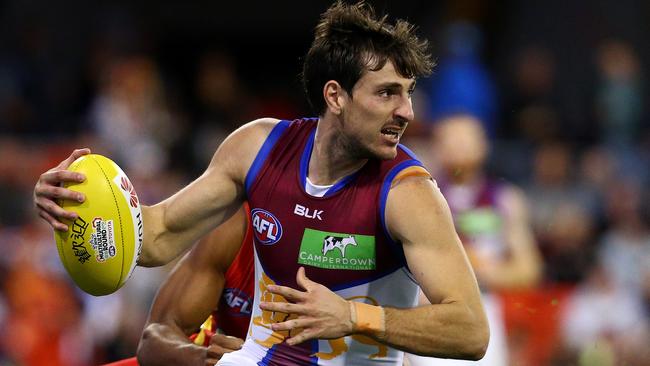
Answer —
404 110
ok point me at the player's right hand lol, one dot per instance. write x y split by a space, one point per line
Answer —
48 190
220 344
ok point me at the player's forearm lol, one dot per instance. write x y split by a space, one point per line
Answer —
444 330
167 234
174 225
162 345
157 248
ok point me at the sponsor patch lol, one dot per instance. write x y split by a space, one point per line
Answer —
267 227
328 250
103 239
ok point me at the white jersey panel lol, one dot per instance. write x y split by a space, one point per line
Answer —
395 290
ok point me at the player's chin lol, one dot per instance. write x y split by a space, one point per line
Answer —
386 152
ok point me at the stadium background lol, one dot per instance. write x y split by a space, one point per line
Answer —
561 85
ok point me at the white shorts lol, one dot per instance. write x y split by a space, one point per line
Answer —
497 352
237 359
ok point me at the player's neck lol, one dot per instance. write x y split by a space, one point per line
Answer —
330 161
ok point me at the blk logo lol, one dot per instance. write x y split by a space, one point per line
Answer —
308 213
267 228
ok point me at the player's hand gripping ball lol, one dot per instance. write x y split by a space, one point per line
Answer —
101 247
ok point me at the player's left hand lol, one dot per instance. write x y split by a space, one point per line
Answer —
321 313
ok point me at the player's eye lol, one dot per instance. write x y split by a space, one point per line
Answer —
388 92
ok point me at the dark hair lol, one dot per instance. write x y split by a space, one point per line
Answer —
350 39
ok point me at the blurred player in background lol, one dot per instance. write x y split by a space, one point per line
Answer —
337 200
492 220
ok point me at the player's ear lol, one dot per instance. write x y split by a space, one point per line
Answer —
335 96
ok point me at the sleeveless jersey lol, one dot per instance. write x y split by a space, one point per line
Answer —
340 239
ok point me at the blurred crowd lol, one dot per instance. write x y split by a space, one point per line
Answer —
581 155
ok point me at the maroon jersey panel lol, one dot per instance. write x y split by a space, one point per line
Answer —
340 238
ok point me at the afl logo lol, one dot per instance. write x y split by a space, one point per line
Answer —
239 303
267 228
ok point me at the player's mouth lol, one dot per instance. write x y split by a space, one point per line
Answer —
392 134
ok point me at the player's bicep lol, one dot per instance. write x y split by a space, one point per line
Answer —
218 192
417 215
174 224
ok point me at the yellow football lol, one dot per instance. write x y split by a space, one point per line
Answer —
101 247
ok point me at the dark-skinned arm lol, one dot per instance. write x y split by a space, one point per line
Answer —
188 297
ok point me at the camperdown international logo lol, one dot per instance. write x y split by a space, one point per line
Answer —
337 251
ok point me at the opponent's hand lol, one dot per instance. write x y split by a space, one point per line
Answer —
321 313
220 344
48 190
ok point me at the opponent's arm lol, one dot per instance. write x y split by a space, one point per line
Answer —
523 265
188 297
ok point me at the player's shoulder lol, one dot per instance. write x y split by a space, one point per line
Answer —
239 149
249 137
261 127
413 188
412 202
252 135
